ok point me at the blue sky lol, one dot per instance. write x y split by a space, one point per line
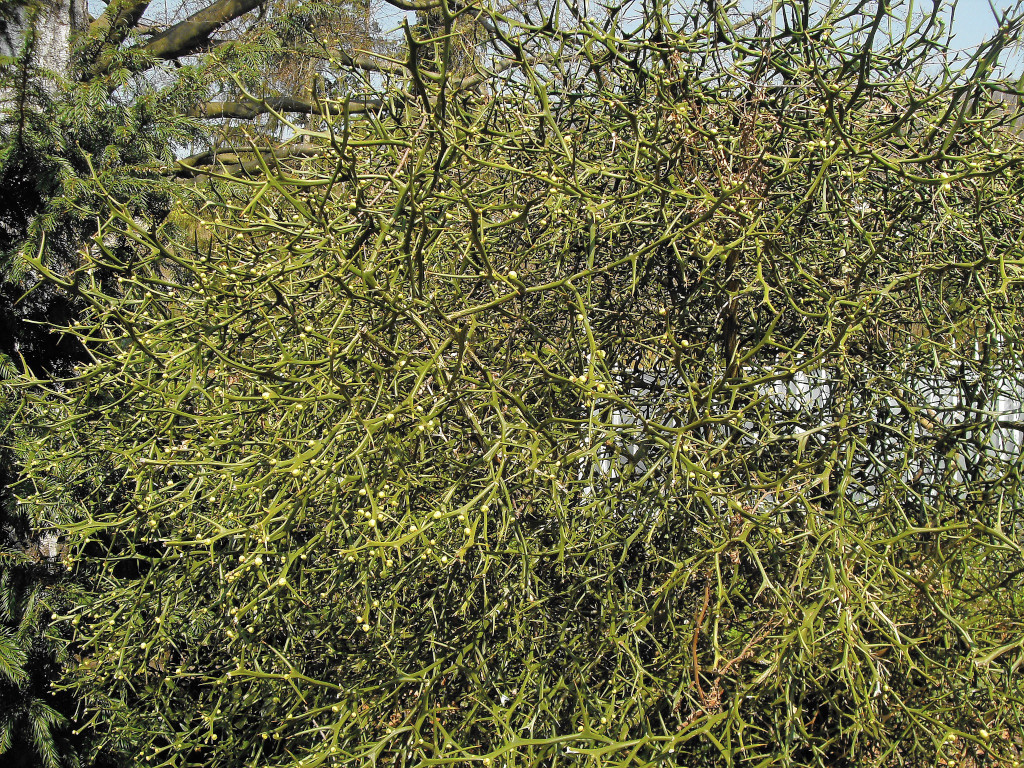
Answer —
973 21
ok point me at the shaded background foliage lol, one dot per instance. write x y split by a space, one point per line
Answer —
638 407
85 97
32 727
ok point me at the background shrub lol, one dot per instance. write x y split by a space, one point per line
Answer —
640 407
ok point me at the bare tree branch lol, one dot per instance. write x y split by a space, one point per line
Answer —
119 18
482 74
232 158
190 35
414 5
250 108
187 36
366 62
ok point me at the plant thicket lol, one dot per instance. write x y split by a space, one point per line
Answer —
628 396
34 729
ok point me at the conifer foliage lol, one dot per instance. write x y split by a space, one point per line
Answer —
631 398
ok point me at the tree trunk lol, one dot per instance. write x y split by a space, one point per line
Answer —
52 24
